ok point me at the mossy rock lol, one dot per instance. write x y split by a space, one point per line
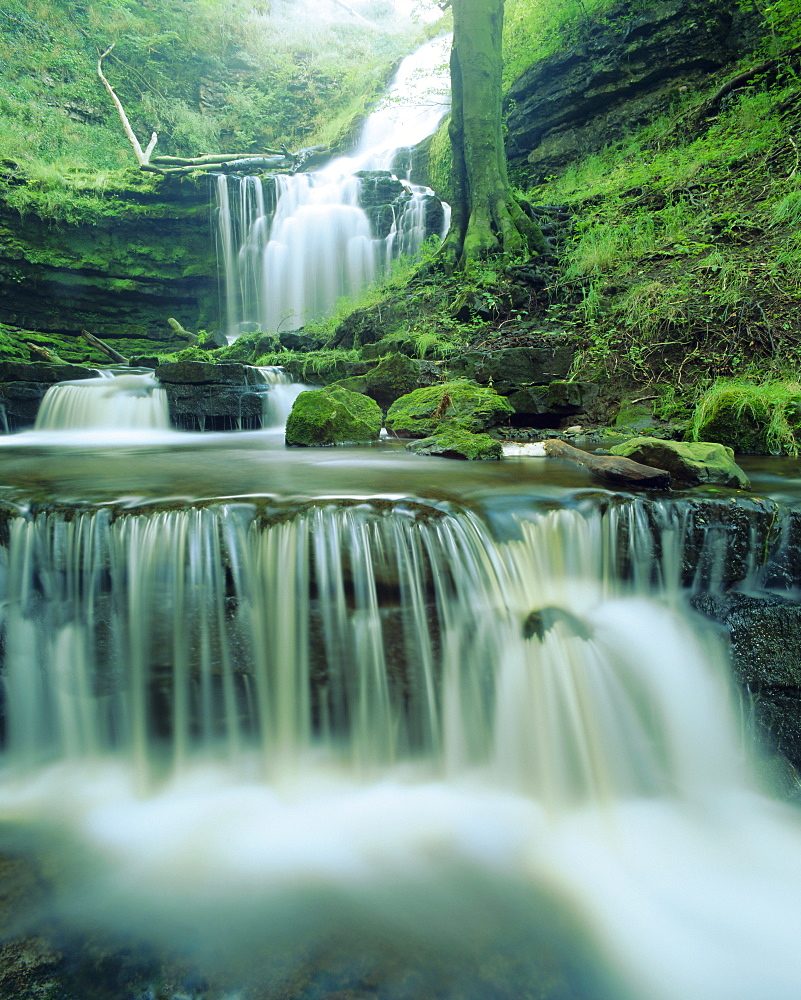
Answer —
454 442
691 463
333 416
634 416
459 402
394 376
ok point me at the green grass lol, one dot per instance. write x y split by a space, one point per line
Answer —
774 407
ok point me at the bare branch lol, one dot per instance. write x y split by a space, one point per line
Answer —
142 156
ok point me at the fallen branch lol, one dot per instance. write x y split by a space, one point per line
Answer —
197 161
46 354
99 345
181 332
142 156
225 166
611 468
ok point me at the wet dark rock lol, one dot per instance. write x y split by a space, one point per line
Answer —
626 70
764 634
296 340
510 369
208 373
41 371
383 198
393 376
23 386
145 255
546 406
215 341
206 407
213 397
722 542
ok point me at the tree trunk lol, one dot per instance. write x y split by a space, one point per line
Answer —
486 217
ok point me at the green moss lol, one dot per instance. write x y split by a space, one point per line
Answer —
454 442
395 375
749 417
333 416
688 462
459 402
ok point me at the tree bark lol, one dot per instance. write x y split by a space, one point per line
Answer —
486 216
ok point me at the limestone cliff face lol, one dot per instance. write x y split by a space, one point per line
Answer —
118 266
627 70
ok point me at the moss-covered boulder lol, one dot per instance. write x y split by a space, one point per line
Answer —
459 402
394 376
333 416
454 442
688 462
750 418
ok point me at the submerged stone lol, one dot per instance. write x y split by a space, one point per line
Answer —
453 442
333 415
459 402
692 463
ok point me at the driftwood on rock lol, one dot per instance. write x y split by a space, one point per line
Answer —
99 345
46 354
179 331
611 468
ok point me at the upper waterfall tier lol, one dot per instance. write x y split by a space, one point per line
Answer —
292 246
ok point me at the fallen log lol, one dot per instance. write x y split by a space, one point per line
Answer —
46 354
181 332
611 468
250 163
104 348
196 161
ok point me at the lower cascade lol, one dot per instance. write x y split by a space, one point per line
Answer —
267 732
131 401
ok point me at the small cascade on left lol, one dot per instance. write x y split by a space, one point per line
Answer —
132 402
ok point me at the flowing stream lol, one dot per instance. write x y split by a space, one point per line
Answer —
356 723
246 726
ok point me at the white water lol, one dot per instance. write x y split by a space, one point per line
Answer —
288 263
331 759
121 402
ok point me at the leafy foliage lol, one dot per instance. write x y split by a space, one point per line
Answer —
202 73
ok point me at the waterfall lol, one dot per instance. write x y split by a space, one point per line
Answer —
280 396
291 246
373 638
267 722
124 401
